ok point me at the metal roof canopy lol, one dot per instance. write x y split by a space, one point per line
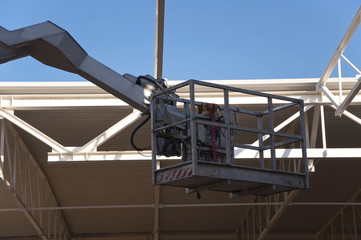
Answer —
62 176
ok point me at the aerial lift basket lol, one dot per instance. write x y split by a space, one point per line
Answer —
200 140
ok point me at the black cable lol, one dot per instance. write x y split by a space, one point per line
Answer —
148 79
133 133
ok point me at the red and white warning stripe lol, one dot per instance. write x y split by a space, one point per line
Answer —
175 175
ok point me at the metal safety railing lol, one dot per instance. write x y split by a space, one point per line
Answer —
235 128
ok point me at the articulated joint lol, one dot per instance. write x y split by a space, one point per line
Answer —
320 86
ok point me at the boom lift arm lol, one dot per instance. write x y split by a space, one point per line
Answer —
53 46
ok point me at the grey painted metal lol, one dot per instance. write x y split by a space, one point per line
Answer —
272 136
193 127
260 144
303 141
197 173
153 138
55 47
227 118
248 129
241 178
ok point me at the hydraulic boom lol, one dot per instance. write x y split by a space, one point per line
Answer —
53 46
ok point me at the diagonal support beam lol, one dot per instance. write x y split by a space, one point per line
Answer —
329 95
338 54
340 213
288 199
33 131
92 145
350 116
351 95
341 48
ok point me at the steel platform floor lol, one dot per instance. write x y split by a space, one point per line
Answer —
234 179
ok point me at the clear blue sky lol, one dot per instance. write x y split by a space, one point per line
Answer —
204 39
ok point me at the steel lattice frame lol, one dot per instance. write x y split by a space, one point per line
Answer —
31 191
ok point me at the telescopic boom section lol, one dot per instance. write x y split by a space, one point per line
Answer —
55 47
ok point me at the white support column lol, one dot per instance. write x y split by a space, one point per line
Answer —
339 79
315 124
2 147
323 127
156 212
159 38
313 136
156 209
158 72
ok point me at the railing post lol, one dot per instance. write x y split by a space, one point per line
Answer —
193 127
303 142
227 117
153 138
260 142
272 137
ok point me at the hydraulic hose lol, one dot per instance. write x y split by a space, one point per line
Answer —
149 80
134 132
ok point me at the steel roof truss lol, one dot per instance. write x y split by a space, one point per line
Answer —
89 147
92 145
263 215
32 188
33 131
341 47
336 60
339 226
